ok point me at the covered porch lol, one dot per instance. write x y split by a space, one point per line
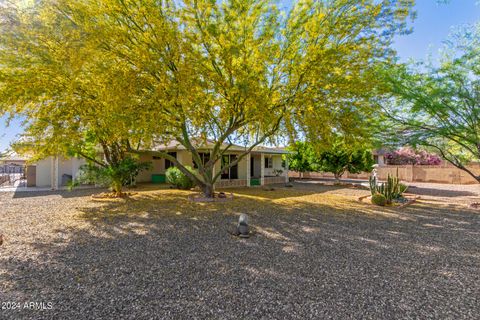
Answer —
257 168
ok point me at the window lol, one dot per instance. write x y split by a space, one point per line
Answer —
169 163
205 158
268 163
232 172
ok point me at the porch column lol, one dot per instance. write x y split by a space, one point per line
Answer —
248 169
54 173
286 170
262 169
74 167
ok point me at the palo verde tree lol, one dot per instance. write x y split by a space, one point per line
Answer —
202 72
75 98
439 107
225 72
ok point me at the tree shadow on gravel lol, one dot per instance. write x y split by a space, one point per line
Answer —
279 191
158 255
63 193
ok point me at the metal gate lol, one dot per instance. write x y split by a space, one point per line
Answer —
12 176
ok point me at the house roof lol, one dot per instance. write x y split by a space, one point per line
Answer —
207 144
13 157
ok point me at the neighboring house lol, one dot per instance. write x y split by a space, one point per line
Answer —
263 165
12 169
12 165
13 160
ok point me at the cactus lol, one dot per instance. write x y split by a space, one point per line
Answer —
391 189
379 199
373 185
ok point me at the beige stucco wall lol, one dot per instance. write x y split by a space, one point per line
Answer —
42 176
43 172
276 165
185 158
445 173
242 168
157 167
257 166
64 167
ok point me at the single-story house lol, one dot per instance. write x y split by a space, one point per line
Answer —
13 160
262 166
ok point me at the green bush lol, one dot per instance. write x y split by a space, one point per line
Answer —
178 179
114 175
379 199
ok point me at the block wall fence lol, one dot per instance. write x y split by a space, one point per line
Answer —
444 173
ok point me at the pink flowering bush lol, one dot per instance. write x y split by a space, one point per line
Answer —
409 156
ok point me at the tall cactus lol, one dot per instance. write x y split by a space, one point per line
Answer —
391 189
373 185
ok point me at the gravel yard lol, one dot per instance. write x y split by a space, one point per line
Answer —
316 253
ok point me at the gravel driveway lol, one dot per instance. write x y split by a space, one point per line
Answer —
316 253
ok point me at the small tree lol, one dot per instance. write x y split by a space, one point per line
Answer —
340 158
114 176
302 158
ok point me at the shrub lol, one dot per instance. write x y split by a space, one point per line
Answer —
409 156
115 176
379 199
342 157
178 179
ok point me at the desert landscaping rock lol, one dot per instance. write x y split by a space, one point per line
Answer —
317 253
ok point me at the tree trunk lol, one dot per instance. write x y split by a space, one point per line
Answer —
208 190
117 188
337 177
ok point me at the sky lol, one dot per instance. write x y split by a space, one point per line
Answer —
433 24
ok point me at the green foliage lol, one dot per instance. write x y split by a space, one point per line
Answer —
302 157
277 172
341 157
178 179
232 71
439 107
379 199
391 189
113 176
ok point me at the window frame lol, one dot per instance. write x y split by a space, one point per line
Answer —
168 163
268 162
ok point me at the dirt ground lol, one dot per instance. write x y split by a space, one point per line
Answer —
432 192
315 253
